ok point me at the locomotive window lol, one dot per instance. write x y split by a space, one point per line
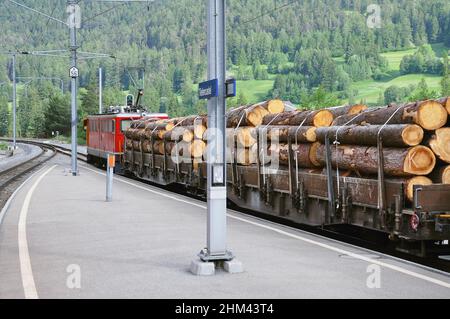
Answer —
125 124
113 125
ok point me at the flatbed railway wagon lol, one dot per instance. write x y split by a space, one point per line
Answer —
415 220
417 228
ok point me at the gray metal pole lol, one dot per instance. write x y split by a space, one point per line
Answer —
73 48
217 194
14 100
100 91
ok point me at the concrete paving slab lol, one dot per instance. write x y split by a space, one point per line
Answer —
141 246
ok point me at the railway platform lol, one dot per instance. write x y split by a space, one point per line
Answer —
59 238
23 153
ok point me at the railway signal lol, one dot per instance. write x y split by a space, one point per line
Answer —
130 100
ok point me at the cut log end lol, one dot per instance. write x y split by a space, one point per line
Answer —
323 118
246 156
446 104
311 135
412 135
417 180
188 136
440 144
199 130
275 106
431 115
419 161
313 155
246 136
446 175
197 148
356 109
255 116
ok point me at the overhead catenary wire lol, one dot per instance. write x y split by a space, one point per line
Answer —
122 3
275 9
103 12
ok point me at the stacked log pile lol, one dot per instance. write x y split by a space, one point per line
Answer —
415 138
187 134
242 123
182 136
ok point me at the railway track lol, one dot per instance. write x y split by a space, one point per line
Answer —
11 176
58 148
13 173
351 236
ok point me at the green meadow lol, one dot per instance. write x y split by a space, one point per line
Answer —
367 90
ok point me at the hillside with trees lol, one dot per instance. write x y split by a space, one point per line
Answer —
315 53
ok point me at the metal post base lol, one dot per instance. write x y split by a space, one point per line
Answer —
207 257
74 173
202 268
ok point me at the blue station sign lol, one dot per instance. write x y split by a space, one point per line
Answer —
208 89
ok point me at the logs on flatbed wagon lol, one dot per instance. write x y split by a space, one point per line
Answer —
273 106
347 109
193 120
409 153
303 153
430 115
308 118
303 134
440 144
417 160
246 156
252 115
245 136
317 118
398 135
198 148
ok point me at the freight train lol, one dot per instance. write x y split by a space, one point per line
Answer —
415 217
105 132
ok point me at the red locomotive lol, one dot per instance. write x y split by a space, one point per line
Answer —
105 132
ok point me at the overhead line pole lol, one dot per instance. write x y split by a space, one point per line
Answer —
14 99
217 195
14 80
73 22
100 91
74 116
216 252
